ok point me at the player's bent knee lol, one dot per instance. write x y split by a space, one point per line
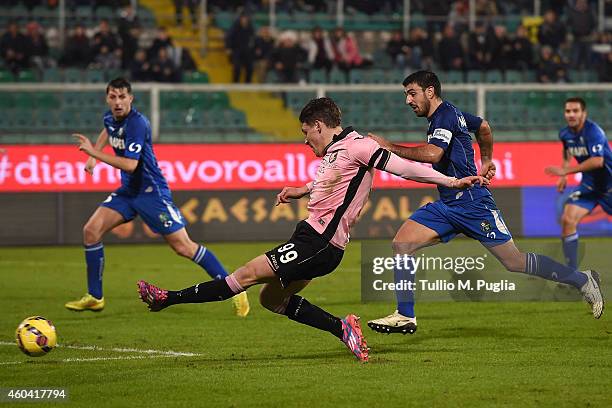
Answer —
514 265
91 233
404 247
183 250
275 304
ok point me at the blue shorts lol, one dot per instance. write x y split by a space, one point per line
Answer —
480 220
586 198
158 212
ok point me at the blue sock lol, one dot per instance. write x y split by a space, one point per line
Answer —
207 260
547 268
570 250
405 298
94 257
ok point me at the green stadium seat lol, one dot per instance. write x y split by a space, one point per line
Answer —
51 75
318 76
73 75
513 76
6 76
494 77
474 76
95 76
27 76
196 77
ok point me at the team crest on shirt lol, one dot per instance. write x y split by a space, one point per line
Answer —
332 157
165 219
485 226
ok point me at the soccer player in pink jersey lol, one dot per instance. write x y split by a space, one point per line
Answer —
337 195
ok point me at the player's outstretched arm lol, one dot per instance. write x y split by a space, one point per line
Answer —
423 174
592 163
556 171
100 144
121 163
288 193
428 153
484 137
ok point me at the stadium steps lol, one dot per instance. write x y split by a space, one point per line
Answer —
258 107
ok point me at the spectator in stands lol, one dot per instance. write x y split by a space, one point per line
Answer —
422 49
399 50
486 8
550 67
140 68
240 41
320 51
12 48
435 12
346 51
450 51
192 6
163 69
104 38
551 32
77 52
107 60
184 61
501 49
605 69
480 46
522 50
287 58
459 16
162 40
128 29
581 21
264 44
601 48
37 48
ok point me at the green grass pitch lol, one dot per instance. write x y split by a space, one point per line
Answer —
463 354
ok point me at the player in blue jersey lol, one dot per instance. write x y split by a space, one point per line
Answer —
472 212
144 191
584 140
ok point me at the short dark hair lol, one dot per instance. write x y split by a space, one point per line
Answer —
323 109
424 79
119 83
576 99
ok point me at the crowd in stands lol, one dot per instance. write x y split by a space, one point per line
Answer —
113 46
445 43
567 39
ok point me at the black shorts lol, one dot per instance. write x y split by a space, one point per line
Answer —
305 256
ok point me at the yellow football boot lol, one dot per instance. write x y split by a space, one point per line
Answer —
241 304
89 302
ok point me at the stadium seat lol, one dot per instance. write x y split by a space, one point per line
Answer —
73 75
6 76
27 76
196 77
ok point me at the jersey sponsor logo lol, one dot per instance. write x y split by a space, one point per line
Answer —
116 142
134 147
442 134
578 151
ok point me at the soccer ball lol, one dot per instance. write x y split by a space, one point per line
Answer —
36 336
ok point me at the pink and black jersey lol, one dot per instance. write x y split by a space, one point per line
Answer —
344 179
342 184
